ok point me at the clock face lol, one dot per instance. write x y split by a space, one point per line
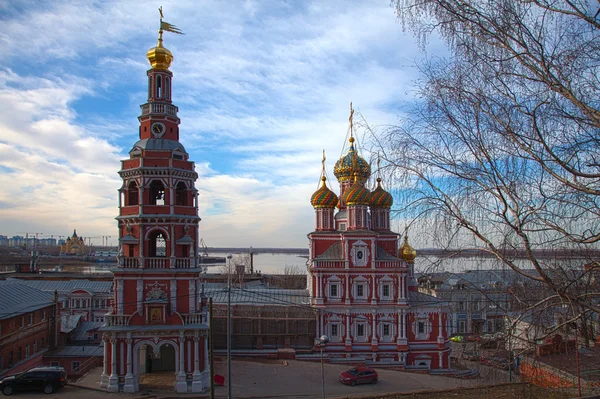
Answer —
158 129
359 254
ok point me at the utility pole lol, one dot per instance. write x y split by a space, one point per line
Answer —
212 348
229 396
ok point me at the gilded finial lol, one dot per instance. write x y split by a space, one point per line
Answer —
351 120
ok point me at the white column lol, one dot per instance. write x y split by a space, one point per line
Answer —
374 340
172 257
440 337
129 385
181 384
113 380
104 376
197 385
141 244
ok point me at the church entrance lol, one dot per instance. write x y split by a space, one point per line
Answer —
156 365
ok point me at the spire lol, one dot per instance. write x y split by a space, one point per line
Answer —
159 56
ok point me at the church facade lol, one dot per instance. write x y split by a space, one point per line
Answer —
361 277
158 318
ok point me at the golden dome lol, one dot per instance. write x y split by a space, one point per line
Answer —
324 197
345 167
407 252
357 194
159 56
381 198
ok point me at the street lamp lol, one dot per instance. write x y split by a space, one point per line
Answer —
229 256
324 339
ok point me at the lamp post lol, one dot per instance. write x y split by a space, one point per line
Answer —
324 339
229 396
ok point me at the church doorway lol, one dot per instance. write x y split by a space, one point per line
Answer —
156 365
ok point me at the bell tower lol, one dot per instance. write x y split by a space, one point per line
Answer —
159 318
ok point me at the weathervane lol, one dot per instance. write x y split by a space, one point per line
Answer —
167 26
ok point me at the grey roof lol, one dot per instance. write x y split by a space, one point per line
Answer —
68 285
79 351
260 296
382 254
419 299
334 252
17 298
158 145
81 334
69 322
340 215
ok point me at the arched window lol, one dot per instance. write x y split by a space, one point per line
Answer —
157 193
158 86
181 194
149 87
168 88
158 245
132 194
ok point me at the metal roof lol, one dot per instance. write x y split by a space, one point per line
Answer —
17 298
420 299
67 286
79 351
260 296
158 144
334 252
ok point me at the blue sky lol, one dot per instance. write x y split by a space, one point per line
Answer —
262 87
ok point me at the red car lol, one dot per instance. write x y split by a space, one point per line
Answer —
359 375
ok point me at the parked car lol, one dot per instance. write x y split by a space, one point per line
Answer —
457 338
47 379
359 375
469 355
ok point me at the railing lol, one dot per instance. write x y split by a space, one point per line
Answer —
183 263
86 366
157 263
193 318
331 264
389 264
130 262
117 319
157 108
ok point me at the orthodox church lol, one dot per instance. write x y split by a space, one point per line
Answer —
361 277
74 245
158 319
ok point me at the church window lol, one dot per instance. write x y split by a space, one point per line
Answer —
181 194
386 330
157 193
334 330
30 321
342 226
360 330
158 86
132 194
386 290
158 245
421 329
360 291
333 290
168 88
149 87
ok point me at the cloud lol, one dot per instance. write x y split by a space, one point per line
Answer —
262 88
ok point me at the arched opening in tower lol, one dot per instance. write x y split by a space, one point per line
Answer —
157 193
158 245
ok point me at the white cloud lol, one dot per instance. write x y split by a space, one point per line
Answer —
262 88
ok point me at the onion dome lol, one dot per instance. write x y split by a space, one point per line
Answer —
324 197
346 166
357 194
381 198
159 56
407 252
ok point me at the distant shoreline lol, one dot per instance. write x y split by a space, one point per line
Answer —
444 253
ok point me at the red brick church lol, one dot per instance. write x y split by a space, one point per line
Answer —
361 277
158 320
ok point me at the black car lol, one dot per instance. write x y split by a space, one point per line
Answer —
47 379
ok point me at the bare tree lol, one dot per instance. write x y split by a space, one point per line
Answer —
500 152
